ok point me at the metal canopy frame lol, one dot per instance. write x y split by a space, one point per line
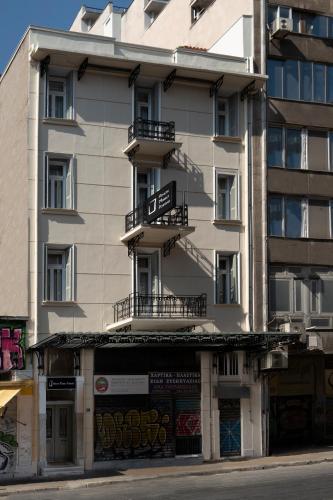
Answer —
259 342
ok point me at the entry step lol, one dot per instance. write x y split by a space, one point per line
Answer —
62 470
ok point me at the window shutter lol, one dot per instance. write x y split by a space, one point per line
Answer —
69 96
46 182
233 280
46 94
233 115
70 256
233 197
44 270
70 184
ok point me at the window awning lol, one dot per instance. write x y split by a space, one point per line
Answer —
7 395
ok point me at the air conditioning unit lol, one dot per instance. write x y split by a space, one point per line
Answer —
292 327
274 360
281 27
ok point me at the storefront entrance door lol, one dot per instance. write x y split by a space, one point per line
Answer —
59 436
230 427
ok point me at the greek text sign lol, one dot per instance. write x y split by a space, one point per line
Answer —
120 384
161 202
178 382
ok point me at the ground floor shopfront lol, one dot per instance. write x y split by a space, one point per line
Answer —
301 402
99 404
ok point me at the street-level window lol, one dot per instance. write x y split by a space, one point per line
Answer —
226 196
59 274
226 113
227 291
59 182
228 364
59 97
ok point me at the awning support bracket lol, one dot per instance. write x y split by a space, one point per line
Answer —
82 69
167 158
133 243
170 244
134 75
216 86
43 65
131 154
169 80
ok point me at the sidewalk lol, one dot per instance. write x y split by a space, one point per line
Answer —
137 474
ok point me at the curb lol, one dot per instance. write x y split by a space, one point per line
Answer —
90 483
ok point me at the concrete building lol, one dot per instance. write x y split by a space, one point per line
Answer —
293 38
132 242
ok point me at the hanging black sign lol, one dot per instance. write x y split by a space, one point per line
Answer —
161 202
61 383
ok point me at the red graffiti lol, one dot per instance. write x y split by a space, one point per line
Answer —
11 349
188 424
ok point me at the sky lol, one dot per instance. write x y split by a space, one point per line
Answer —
17 15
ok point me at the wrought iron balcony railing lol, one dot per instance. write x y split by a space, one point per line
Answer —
161 306
149 129
177 216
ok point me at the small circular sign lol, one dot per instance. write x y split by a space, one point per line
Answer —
101 384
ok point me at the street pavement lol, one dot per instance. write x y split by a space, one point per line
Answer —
306 482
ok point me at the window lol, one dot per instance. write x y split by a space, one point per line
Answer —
228 364
226 196
59 274
287 217
294 148
303 22
319 219
59 97
303 291
59 182
300 80
226 111
227 279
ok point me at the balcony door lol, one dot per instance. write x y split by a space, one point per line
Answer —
147 183
144 103
147 283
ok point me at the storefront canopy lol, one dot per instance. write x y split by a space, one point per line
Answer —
6 395
227 341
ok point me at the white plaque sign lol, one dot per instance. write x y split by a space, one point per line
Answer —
112 385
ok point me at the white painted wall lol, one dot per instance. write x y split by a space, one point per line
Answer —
237 41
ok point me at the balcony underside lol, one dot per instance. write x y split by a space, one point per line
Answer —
156 234
150 147
155 6
151 323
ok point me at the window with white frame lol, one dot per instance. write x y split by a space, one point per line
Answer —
59 274
227 283
226 116
300 80
295 148
228 364
227 199
59 96
59 182
288 216
307 23
301 291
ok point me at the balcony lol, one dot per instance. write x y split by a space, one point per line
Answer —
159 312
201 4
151 138
173 224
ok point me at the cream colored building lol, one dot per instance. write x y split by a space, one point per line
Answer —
95 133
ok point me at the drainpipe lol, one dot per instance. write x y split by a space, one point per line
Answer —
249 131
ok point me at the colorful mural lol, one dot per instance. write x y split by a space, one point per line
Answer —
8 442
12 348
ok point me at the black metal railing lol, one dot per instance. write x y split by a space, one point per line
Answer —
149 129
177 216
161 306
